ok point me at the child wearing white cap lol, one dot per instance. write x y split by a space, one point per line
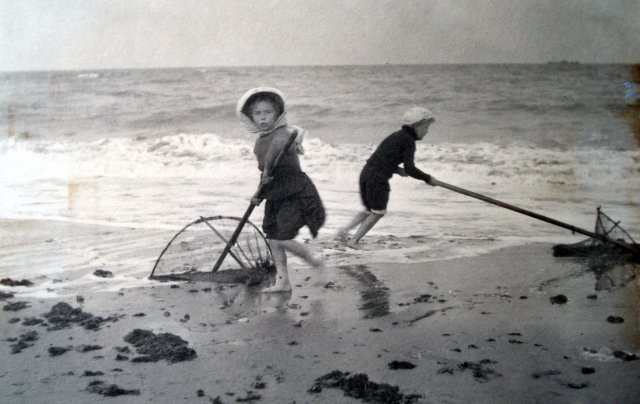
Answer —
397 148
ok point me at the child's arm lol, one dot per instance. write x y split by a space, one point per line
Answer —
410 168
401 172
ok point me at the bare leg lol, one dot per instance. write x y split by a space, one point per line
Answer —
360 217
367 224
299 250
282 274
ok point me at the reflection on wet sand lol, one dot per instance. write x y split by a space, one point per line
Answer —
374 294
245 301
622 274
632 111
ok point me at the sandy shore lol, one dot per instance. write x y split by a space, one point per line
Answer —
513 325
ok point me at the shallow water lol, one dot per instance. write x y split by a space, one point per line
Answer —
156 149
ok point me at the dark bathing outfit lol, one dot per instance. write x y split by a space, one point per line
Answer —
397 148
292 201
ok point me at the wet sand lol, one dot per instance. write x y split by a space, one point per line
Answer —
513 325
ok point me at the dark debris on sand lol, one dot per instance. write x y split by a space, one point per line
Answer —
587 371
102 273
15 306
11 282
625 356
545 373
424 298
58 350
24 341
109 390
615 320
622 355
29 321
157 347
481 372
558 299
88 348
62 315
360 387
5 296
91 373
248 398
395 365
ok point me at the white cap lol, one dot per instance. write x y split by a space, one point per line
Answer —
416 114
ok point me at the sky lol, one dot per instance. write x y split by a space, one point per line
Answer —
91 34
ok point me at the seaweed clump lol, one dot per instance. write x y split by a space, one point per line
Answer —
155 347
62 315
360 387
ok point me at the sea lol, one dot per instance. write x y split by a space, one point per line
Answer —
158 148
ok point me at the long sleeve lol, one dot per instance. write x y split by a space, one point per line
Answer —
267 149
410 168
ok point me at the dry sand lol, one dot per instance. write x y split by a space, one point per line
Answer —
484 329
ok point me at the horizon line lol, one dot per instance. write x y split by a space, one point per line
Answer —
83 69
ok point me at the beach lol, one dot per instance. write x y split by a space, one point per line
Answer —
451 300
489 328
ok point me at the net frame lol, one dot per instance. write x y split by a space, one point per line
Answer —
613 243
253 263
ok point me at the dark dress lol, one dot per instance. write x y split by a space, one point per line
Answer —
292 200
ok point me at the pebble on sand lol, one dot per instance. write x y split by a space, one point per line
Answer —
615 319
558 299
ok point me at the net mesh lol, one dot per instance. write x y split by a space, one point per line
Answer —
618 245
613 259
192 253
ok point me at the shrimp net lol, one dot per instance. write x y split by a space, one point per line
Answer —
615 244
614 258
192 253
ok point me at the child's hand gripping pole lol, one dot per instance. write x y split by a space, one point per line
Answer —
255 201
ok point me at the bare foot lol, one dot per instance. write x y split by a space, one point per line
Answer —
319 275
278 288
341 236
318 264
355 246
